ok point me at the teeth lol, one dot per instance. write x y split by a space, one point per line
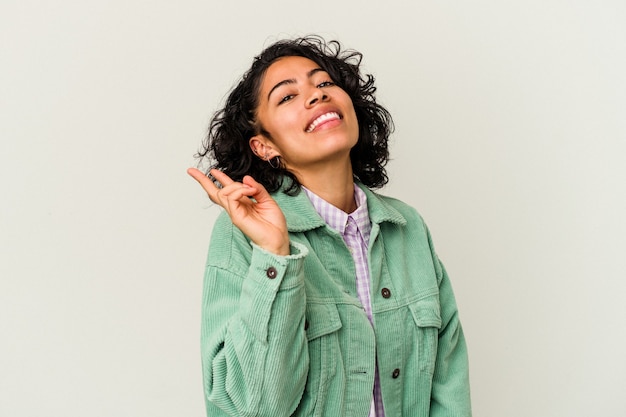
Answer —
323 118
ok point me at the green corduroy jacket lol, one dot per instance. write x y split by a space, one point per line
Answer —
287 335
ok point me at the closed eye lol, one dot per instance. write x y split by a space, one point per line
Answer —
325 84
286 98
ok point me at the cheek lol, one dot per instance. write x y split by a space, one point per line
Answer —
284 120
350 107
355 127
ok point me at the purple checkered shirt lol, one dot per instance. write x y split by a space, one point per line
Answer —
355 229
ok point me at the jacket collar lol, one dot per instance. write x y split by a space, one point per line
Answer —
301 215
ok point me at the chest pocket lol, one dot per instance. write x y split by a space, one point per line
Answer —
427 316
322 324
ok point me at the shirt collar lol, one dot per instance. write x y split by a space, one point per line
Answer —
302 216
337 218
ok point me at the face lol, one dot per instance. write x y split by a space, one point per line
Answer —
310 122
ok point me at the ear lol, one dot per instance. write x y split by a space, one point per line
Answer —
262 147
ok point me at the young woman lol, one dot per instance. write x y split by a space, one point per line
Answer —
321 297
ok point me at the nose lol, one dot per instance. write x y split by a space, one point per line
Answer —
316 96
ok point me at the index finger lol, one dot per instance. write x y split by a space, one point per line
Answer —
206 182
221 177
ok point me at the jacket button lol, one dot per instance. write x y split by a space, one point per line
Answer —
396 373
271 272
385 292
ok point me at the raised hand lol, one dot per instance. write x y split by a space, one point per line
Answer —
260 219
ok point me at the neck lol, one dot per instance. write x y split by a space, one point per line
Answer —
333 185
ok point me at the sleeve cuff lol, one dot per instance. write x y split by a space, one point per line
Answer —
275 271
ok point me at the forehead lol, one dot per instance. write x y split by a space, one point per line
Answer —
287 68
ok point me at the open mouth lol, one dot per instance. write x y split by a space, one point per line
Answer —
324 118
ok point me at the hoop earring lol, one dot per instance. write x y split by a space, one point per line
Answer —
276 163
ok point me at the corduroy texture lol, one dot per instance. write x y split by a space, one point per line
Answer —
287 336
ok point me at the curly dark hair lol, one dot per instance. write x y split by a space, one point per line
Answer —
227 143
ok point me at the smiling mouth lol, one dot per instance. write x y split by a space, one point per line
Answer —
326 117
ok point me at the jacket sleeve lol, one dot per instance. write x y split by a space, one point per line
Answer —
253 345
450 396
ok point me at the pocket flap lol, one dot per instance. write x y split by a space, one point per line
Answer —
321 319
426 313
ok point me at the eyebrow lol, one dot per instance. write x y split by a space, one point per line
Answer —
293 81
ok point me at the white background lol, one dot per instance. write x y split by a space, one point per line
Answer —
510 140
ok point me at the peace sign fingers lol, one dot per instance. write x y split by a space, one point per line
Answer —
260 219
